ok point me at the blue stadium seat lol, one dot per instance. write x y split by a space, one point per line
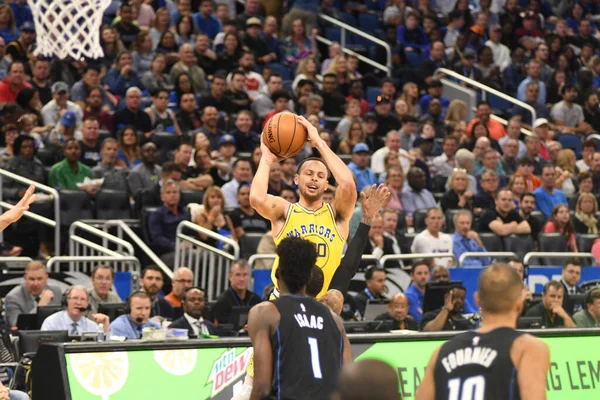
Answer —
414 59
282 70
348 19
499 104
333 34
570 141
372 93
369 23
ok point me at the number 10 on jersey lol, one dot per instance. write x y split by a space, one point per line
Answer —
472 388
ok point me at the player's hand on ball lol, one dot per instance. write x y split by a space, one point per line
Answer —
267 154
313 133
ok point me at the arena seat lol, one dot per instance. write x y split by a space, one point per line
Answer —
74 206
405 242
47 156
112 204
191 196
372 93
552 242
540 216
281 70
348 19
449 220
147 198
419 220
491 241
570 141
369 23
401 227
165 142
585 242
519 244
438 184
249 244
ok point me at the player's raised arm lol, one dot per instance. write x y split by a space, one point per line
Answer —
262 322
270 207
345 194
15 213
426 390
532 363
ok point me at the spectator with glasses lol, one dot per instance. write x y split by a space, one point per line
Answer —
183 278
103 277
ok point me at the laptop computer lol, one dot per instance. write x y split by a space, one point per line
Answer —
375 308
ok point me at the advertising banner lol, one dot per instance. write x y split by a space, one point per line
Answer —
216 373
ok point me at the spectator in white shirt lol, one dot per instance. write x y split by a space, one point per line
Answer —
445 164
392 143
432 239
500 51
242 172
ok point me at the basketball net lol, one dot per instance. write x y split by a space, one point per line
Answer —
68 27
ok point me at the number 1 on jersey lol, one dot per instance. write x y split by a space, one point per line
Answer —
314 358
472 388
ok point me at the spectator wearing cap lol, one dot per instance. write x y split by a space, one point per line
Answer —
333 99
411 36
540 129
205 21
386 121
13 83
187 64
435 90
433 62
227 150
467 66
495 128
51 112
18 50
568 116
370 127
416 196
63 131
263 103
245 139
360 167
253 40
533 75
501 52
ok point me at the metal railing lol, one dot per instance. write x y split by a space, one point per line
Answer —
485 90
120 264
21 262
39 218
209 263
420 256
551 255
491 254
124 228
345 27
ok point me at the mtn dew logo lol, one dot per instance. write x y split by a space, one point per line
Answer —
228 368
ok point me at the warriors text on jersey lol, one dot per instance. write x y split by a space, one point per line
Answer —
318 227
477 366
307 350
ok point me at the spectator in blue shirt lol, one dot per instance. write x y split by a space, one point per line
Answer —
162 224
412 36
22 12
205 21
416 291
122 77
360 167
131 324
435 89
546 196
534 69
466 240
416 197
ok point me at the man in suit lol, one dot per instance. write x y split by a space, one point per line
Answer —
379 244
34 293
152 282
571 274
193 304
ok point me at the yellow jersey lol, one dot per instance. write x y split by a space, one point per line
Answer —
318 227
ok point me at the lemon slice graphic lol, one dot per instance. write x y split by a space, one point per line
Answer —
176 362
101 374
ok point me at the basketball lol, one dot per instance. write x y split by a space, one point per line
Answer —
284 135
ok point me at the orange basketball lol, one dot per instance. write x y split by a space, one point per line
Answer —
284 135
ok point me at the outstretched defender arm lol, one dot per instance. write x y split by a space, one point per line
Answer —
15 213
345 194
273 208
263 319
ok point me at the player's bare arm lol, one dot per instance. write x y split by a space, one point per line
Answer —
531 357
263 320
345 194
273 208
372 201
15 213
426 390
347 353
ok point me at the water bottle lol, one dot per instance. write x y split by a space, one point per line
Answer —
100 333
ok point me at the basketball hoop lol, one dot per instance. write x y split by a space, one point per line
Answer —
68 27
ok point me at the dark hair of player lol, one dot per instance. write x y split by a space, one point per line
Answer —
297 257
312 159
317 280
